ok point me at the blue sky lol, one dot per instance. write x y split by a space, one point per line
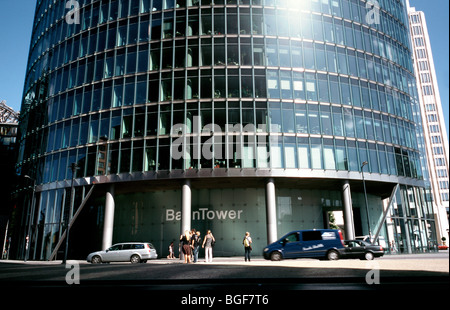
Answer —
16 21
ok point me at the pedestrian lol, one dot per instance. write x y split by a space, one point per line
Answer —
186 246
208 243
196 245
193 232
247 245
171 254
393 247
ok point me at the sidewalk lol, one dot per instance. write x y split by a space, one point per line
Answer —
217 260
426 262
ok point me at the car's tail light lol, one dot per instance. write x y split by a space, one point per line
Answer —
149 249
342 238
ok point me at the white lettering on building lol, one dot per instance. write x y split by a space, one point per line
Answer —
205 214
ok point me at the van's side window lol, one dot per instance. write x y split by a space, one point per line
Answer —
292 238
312 235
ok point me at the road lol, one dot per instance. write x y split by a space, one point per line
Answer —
284 279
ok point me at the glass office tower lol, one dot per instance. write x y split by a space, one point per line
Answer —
234 116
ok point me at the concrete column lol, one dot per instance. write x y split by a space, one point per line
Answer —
271 211
186 206
108 226
349 224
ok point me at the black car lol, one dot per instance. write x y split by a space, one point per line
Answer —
361 249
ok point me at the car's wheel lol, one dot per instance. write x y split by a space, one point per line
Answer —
332 255
96 260
369 256
276 256
135 259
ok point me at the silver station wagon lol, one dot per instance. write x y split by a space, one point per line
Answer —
133 252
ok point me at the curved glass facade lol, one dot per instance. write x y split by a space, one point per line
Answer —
337 90
295 87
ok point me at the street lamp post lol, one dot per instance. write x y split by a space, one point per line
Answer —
74 168
365 198
30 219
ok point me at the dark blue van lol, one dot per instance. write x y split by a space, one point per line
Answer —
314 243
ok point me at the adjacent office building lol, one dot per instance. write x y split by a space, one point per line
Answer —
8 154
262 116
435 132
